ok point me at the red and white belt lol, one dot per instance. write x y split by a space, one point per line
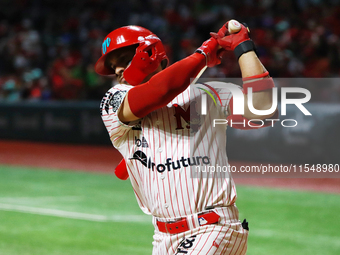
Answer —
179 226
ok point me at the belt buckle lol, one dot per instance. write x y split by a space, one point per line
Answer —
166 225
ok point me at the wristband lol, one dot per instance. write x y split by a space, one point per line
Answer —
200 51
244 47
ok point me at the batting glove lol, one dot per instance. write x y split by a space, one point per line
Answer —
212 52
239 42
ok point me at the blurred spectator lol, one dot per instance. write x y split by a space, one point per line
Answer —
48 48
35 86
10 91
66 77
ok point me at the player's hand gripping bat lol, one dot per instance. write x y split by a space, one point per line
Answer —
231 27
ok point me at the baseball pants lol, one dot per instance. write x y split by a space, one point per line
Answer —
226 237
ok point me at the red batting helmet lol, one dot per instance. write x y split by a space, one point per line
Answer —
149 53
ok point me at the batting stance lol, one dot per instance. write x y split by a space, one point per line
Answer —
146 116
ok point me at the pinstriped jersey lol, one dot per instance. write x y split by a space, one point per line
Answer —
170 152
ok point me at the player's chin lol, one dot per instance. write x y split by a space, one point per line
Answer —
122 81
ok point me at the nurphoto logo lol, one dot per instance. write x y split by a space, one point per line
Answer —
239 103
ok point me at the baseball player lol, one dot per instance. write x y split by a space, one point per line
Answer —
146 116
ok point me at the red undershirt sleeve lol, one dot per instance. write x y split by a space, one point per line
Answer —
164 86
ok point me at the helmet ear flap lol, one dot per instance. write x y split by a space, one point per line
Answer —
149 46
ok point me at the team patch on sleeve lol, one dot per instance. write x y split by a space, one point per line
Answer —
112 100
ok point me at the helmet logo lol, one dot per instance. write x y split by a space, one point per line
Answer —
120 39
106 44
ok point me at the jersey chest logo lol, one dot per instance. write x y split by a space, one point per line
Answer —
190 116
169 164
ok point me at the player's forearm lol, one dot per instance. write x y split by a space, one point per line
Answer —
250 65
164 86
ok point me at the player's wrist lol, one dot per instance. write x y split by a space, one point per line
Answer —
238 41
201 52
212 52
244 47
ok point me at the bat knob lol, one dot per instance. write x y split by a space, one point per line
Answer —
233 26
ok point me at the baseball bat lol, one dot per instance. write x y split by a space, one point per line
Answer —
198 75
233 26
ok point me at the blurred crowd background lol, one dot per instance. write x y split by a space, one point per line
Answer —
48 48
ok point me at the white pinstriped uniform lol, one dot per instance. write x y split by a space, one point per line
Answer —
159 156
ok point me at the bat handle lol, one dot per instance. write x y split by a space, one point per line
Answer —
234 26
199 75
